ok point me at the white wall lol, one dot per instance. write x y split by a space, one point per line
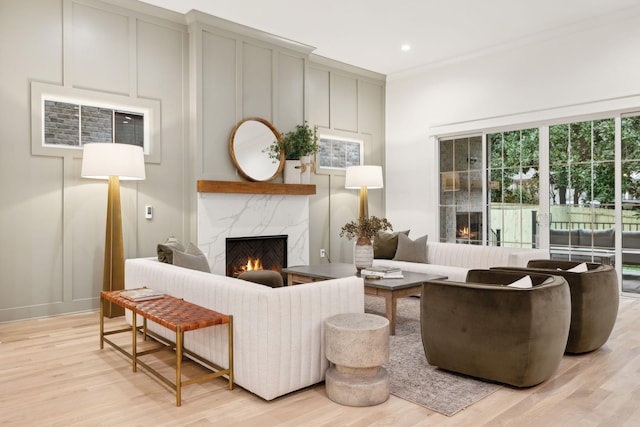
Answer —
574 71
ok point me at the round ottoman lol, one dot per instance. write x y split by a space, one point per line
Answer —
357 344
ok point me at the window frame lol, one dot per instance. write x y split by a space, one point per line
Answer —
42 92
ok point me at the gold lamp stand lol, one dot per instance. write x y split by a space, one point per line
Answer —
115 162
364 204
113 276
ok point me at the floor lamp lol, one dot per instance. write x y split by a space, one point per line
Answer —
113 162
363 177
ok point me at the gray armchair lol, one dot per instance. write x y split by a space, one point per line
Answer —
594 300
485 329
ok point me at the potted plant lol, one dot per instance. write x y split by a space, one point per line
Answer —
364 230
296 146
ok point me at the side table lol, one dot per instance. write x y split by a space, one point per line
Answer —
357 344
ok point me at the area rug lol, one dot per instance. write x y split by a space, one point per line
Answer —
411 376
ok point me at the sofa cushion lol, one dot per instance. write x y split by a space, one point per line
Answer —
580 268
411 250
562 237
165 250
631 239
601 238
522 283
385 244
192 258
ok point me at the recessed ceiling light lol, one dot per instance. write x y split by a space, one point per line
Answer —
405 47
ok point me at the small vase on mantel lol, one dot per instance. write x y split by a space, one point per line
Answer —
292 172
363 253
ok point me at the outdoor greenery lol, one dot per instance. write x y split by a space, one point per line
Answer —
303 141
582 167
367 227
512 155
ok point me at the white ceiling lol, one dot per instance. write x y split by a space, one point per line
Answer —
369 33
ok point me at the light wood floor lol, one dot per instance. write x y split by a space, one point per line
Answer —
52 373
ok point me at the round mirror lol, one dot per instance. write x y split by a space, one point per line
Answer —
248 146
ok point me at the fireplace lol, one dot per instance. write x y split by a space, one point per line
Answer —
255 253
469 227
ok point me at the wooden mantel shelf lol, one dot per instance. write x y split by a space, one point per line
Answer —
255 188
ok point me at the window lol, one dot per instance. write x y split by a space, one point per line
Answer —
73 125
630 198
513 187
337 153
581 187
461 198
557 186
64 118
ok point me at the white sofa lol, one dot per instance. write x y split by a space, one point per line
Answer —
277 332
454 260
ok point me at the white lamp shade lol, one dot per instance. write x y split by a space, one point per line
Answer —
363 176
102 159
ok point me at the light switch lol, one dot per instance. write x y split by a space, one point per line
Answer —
148 212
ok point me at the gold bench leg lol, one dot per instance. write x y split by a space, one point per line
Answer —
101 323
134 351
230 352
179 337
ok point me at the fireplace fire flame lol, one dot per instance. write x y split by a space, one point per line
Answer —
253 264
465 233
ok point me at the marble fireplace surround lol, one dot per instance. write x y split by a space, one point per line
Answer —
249 209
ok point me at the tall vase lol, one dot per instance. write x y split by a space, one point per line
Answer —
292 171
363 253
305 164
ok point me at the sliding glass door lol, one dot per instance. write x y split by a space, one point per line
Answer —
582 190
513 187
572 187
630 202
461 196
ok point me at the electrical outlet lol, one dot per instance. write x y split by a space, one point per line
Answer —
322 253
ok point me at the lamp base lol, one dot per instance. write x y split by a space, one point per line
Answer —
113 275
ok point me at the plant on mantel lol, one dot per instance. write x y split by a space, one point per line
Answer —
303 141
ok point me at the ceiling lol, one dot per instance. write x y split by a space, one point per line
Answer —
369 33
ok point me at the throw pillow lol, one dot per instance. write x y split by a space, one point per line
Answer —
385 244
192 258
523 283
580 268
165 250
411 250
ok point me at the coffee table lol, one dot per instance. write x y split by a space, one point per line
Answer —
389 289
